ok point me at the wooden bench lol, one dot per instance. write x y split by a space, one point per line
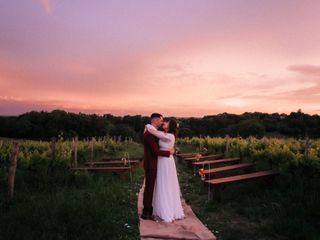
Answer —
102 169
234 167
186 155
120 158
220 161
122 172
209 157
113 162
219 183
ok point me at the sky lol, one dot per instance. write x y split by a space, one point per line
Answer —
178 57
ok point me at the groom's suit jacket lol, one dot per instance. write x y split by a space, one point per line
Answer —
152 151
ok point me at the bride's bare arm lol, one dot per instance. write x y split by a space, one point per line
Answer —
159 134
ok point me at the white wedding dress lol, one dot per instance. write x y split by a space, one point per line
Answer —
166 196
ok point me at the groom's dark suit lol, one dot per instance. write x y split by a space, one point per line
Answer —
151 153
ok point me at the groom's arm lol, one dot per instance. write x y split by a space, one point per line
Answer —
155 148
159 134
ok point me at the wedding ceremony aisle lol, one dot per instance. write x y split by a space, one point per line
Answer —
190 228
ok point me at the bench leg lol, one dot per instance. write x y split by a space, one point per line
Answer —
217 193
269 181
248 170
123 176
210 193
141 164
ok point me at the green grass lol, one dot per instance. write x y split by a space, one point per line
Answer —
50 202
85 207
58 204
288 209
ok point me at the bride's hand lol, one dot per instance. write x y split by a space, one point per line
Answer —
172 151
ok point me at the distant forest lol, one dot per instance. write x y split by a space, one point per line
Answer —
45 125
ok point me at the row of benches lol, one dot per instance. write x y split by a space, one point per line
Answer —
118 166
209 165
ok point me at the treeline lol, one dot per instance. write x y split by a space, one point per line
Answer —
44 125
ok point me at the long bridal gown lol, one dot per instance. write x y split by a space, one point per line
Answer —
166 196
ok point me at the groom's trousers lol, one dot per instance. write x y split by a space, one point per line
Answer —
150 178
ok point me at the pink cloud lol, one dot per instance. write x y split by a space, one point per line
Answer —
202 59
47 6
306 69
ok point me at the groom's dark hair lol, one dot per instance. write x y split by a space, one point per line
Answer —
155 115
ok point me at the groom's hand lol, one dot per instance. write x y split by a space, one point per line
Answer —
172 151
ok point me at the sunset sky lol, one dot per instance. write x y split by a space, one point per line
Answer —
177 57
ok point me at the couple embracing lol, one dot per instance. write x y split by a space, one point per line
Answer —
161 199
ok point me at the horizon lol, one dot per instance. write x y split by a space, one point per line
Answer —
182 58
171 116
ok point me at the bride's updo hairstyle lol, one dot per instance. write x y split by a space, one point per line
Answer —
173 127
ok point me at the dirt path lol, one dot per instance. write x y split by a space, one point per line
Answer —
190 228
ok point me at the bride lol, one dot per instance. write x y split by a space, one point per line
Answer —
166 198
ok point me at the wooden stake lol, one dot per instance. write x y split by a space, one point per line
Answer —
53 155
12 169
104 143
75 152
306 149
72 154
91 146
53 148
227 144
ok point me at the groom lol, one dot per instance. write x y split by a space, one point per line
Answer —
151 153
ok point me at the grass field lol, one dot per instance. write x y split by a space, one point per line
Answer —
288 209
50 202
58 204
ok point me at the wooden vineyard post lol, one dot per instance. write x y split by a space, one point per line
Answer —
53 149
91 147
209 187
200 144
53 154
75 151
12 169
227 145
103 143
306 148
72 154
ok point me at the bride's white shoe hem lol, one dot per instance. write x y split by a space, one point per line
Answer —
173 219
